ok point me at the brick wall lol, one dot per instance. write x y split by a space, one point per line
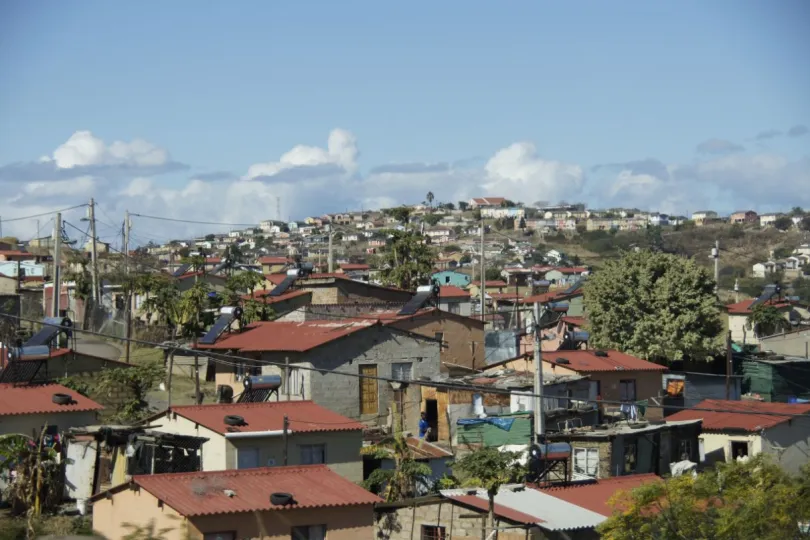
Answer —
406 523
605 455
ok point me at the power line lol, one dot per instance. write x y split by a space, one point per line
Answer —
194 221
235 360
43 214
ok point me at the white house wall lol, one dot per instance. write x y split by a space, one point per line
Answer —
717 445
213 450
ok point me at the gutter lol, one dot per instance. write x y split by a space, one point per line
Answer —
256 434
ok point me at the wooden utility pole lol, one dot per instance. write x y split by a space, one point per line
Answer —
483 290
331 256
539 417
128 308
197 395
286 428
716 257
729 365
57 264
94 254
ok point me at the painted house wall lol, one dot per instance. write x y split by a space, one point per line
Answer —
344 523
448 277
213 450
342 452
789 443
137 508
32 424
462 340
717 445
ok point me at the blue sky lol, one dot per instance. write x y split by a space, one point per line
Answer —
530 97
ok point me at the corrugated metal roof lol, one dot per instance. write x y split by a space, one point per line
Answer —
587 361
38 399
289 336
451 291
203 493
421 449
719 421
594 496
503 512
303 417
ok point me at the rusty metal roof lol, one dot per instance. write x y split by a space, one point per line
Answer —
594 496
587 361
303 417
38 399
743 414
289 336
204 493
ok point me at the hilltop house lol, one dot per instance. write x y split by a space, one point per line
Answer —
743 217
703 216
455 300
739 313
480 203
25 410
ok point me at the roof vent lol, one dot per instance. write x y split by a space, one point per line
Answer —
281 499
230 493
601 353
62 399
562 361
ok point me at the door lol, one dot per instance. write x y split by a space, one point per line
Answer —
368 389
432 417
247 458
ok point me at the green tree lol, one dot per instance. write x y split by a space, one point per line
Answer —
242 283
804 224
783 223
734 501
657 306
797 211
506 203
429 197
463 205
209 237
432 219
449 206
490 468
138 380
407 260
401 214
766 320
493 274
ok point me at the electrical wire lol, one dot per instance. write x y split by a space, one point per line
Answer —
194 221
235 360
44 213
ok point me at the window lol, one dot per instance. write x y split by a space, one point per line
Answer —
454 307
401 371
247 458
440 338
586 461
313 454
630 456
309 532
684 449
433 532
447 279
230 535
368 390
627 390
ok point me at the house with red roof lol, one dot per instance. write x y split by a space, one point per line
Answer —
615 376
338 288
739 313
742 429
324 360
297 501
455 300
26 409
572 511
274 264
250 435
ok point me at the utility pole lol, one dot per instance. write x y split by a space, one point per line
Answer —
716 256
94 254
128 312
539 416
483 272
1 226
331 259
729 366
57 264
286 428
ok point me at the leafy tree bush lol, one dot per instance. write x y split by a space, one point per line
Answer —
654 305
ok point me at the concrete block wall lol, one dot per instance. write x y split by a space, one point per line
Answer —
381 346
406 523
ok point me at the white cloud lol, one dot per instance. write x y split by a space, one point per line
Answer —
518 173
84 149
341 150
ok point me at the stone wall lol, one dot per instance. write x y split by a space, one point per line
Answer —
605 455
407 523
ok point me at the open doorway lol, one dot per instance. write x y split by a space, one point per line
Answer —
432 416
739 450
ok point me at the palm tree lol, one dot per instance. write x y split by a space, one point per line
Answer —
430 198
767 320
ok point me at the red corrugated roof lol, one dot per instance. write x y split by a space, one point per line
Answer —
273 260
504 296
37 399
744 307
719 421
16 253
488 200
203 493
587 361
501 511
490 283
576 321
262 295
595 496
572 270
540 298
304 417
354 267
289 336
451 291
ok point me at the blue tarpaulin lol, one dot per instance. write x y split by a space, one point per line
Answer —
503 423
